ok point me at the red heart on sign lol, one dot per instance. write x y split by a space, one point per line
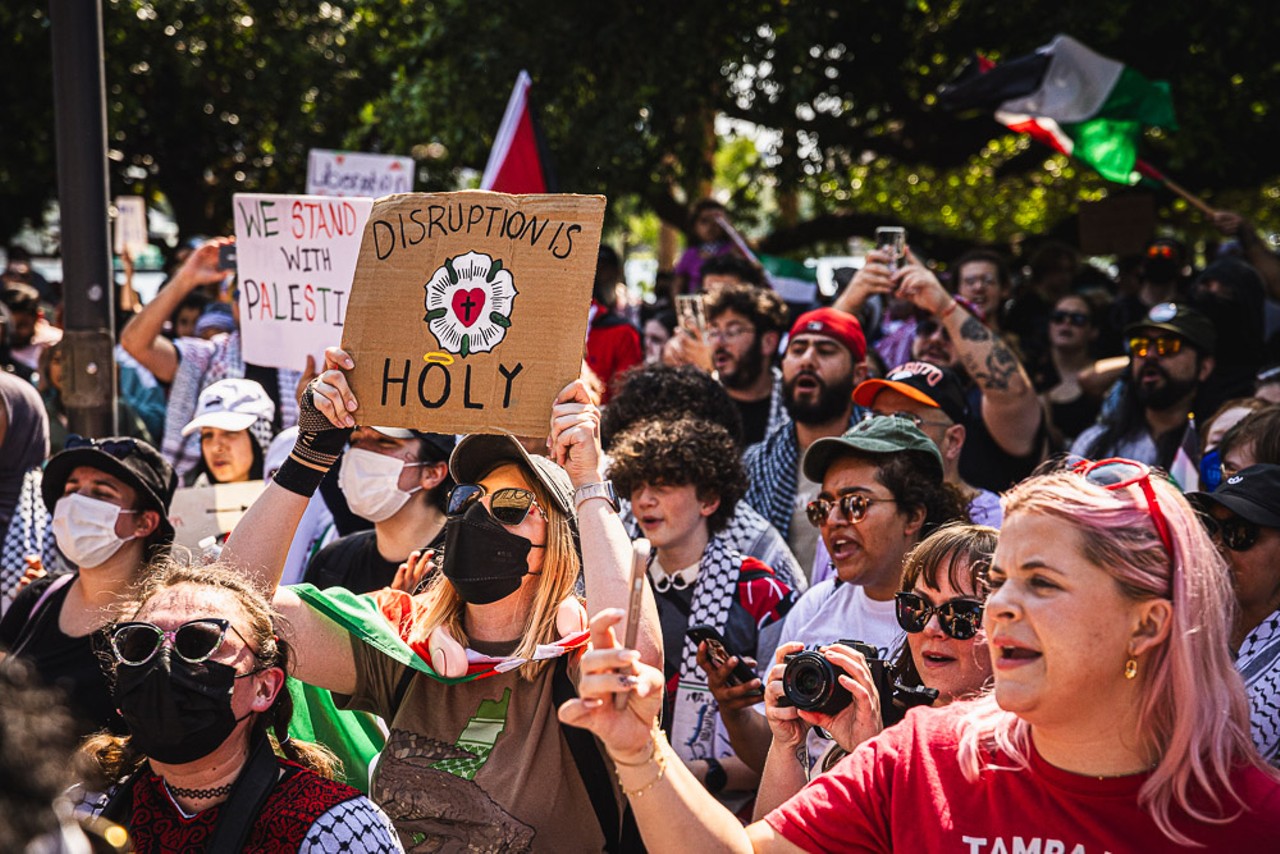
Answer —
468 305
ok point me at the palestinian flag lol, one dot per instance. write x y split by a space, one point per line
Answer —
1072 99
517 162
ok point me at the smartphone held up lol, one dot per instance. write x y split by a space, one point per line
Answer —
892 240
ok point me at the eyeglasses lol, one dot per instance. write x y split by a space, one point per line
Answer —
1236 533
928 328
1116 473
959 618
508 505
729 333
906 416
979 280
1164 345
137 643
853 508
118 448
1075 318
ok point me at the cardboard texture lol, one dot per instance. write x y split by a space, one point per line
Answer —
198 512
354 173
468 311
295 256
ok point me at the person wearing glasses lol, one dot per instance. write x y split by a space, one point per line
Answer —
684 480
940 609
198 675
1116 722
1254 439
109 499
744 326
881 492
1170 355
1072 334
1243 515
479 764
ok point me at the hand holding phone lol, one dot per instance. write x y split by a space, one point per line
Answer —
892 240
692 313
635 601
719 654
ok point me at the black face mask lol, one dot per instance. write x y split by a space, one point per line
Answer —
484 561
177 712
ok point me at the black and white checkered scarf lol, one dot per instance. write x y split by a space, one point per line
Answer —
30 533
771 467
1259 665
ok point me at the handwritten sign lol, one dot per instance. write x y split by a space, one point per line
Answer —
131 225
468 311
198 512
295 259
352 173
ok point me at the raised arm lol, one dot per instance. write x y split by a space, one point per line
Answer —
1256 251
574 443
1010 408
141 336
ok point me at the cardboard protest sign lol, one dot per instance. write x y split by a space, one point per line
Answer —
352 173
295 256
131 225
198 512
468 312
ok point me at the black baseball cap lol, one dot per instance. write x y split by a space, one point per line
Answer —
132 460
1252 493
1182 320
926 383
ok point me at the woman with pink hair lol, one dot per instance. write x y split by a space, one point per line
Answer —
1117 722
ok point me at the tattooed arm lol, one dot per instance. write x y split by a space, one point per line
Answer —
1010 408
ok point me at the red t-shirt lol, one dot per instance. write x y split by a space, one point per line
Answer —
613 346
904 791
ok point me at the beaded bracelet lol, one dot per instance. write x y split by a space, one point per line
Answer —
656 756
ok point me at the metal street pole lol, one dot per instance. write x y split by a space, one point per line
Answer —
88 285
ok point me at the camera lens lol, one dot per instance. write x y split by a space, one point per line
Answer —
809 683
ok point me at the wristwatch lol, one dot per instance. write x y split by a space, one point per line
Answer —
716 778
602 489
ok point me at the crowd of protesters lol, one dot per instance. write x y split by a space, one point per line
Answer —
976 555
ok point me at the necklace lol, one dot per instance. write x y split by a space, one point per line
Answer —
199 794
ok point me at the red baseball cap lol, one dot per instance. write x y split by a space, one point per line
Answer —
836 324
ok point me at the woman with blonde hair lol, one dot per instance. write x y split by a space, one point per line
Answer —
198 677
1117 722
476 758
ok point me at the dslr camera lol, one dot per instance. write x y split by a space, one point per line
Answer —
810 683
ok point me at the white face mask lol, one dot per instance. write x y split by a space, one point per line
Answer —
85 529
371 483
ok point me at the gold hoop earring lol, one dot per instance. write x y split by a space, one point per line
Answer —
1131 668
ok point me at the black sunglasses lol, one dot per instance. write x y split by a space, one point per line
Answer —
1075 318
118 448
198 640
508 505
959 618
854 507
1236 533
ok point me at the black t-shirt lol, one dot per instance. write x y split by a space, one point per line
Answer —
755 418
986 465
74 665
353 562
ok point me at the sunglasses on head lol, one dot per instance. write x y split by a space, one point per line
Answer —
853 508
1163 345
1075 318
1236 533
1160 250
1117 473
134 644
959 618
118 448
508 505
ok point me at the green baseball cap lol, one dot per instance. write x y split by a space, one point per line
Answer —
882 434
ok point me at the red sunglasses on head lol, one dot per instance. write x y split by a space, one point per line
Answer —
1118 473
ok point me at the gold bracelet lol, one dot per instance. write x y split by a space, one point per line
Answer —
656 756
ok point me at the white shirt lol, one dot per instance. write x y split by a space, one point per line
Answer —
830 611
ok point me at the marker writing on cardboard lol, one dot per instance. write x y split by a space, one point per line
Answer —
418 224
434 385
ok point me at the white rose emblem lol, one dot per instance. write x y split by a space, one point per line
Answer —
469 301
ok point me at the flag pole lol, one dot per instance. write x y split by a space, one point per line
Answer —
1177 189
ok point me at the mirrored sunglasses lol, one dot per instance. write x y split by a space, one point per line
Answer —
959 618
1140 346
853 508
508 505
136 643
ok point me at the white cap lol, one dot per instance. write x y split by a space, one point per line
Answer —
395 432
231 405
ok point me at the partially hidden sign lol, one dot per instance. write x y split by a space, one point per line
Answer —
295 256
468 311
354 173
199 512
